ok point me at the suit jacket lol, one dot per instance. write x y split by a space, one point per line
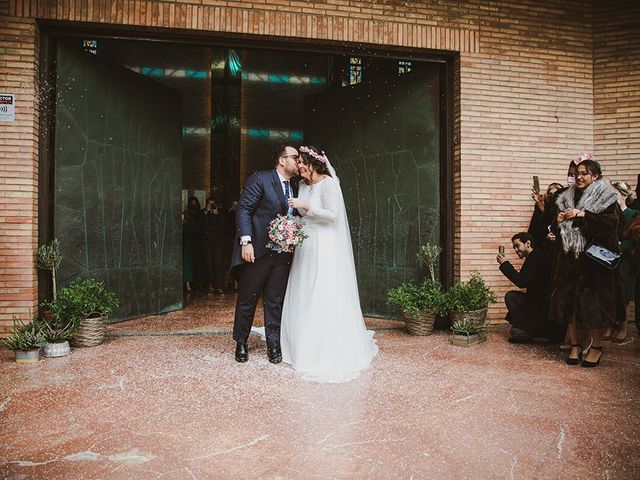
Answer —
261 200
534 276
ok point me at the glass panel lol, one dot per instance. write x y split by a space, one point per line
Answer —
274 85
383 138
117 182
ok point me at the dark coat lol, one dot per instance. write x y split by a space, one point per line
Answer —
539 223
630 263
534 276
583 287
529 311
214 230
262 200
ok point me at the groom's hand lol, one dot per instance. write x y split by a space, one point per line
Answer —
247 254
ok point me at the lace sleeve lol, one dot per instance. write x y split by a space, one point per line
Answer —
331 203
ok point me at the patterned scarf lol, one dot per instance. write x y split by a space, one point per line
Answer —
596 198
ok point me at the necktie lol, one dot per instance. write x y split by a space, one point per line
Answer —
286 196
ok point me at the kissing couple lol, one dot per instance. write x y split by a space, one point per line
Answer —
312 315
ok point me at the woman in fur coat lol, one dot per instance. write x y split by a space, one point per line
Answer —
586 295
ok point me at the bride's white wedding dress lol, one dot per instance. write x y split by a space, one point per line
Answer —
323 334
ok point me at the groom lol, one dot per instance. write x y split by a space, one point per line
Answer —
262 271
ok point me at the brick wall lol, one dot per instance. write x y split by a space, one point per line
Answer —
525 105
526 109
18 171
616 88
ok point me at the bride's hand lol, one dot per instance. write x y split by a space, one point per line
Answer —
297 203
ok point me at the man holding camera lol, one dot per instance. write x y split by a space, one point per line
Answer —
528 311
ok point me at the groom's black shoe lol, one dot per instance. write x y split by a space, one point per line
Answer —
274 354
242 352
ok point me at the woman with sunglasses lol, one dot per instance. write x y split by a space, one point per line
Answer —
586 295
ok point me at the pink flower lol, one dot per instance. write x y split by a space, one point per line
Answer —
285 233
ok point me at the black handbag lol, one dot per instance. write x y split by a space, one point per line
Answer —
603 256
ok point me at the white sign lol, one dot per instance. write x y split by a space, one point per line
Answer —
7 107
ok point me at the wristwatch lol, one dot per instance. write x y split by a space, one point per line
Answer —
245 242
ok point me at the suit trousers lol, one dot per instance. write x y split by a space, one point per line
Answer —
531 317
267 276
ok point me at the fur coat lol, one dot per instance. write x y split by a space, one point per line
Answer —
580 286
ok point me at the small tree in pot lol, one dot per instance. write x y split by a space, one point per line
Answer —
420 303
428 255
49 258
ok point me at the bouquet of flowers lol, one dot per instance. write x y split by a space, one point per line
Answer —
285 234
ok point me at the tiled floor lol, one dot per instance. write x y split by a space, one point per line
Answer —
163 398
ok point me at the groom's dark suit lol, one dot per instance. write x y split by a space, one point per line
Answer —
262 199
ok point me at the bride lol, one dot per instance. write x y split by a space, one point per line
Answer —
323 334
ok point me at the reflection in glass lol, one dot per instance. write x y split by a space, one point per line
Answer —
355 70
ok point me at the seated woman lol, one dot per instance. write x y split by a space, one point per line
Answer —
586 295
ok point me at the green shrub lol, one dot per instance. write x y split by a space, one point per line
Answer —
81 299
470 295
414 299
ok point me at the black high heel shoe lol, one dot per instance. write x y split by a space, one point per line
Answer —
574 361
588 364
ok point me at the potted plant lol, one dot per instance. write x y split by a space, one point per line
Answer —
57 335
428 255
469 300
85 303
467 333
26 341
419 305
49 258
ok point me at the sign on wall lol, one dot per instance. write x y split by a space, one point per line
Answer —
7 107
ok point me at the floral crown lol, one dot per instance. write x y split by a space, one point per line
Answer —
321 157
582 157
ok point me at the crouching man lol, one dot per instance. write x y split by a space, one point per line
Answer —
528 311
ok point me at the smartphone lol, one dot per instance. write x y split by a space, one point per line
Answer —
536 184
501 249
